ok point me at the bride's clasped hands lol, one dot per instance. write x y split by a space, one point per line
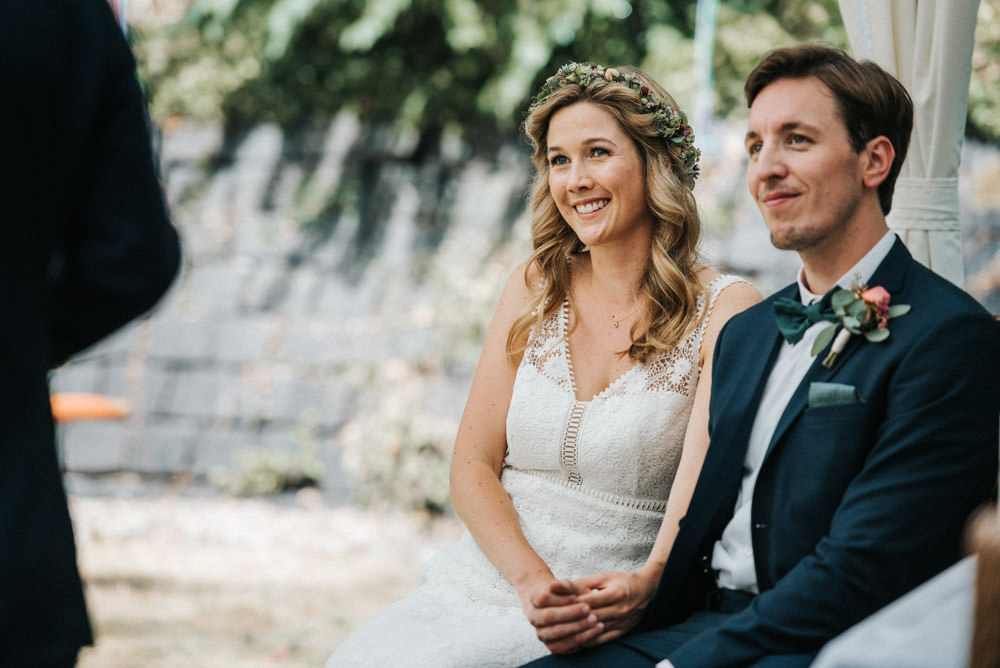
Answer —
570 615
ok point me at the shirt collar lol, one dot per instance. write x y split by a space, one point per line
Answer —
858 274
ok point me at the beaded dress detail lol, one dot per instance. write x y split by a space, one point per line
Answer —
589 481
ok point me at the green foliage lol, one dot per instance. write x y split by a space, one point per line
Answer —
469 65
396 453
396 448
441 64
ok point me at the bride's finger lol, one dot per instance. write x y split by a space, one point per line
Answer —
602 598
547 599
568 638
567 587
552 616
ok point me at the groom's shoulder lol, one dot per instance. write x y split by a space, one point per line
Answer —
945 299
946 319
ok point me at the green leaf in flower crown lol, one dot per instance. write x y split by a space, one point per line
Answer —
876 335
898 309
822 340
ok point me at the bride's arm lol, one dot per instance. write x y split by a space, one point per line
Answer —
480 447
618 600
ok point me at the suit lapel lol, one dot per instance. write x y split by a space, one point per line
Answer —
759 347
760 365
765 337
798 401
892 272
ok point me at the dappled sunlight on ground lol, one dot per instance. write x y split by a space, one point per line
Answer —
175 580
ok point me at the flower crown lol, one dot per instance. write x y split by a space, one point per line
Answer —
670 122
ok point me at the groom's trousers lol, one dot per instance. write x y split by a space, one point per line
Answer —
647 649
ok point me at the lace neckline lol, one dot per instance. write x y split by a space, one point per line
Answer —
564 338
707 290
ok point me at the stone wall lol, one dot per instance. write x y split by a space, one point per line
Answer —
336 289
297 301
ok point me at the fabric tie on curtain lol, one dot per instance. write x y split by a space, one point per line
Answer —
925 216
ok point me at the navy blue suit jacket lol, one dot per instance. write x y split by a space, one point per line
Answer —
86 246
855 504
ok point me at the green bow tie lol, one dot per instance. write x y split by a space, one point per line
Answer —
794 318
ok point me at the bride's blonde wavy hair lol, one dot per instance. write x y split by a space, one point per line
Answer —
669 285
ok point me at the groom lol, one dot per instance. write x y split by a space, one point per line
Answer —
832 486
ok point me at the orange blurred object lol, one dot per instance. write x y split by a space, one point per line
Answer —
69 406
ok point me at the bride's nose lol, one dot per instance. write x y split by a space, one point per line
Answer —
579 176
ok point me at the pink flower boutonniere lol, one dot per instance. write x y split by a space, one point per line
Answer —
862 310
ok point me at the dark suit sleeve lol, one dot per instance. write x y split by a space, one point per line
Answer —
119 251
933 460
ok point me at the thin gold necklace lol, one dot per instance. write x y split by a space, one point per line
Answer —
617 321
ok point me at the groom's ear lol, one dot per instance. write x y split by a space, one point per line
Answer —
876 161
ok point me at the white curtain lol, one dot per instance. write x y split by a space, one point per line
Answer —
927 45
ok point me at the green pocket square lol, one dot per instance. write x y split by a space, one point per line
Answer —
832 394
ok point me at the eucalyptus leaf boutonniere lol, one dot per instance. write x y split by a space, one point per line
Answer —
862 310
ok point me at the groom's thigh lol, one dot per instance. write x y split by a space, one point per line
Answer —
639 649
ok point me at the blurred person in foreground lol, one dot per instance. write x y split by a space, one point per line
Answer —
575 454
846 456
87 246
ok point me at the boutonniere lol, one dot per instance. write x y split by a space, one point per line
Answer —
861 310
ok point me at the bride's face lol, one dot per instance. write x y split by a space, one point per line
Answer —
596 176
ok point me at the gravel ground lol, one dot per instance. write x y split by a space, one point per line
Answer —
182 577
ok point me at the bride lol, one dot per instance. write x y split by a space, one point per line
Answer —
568 464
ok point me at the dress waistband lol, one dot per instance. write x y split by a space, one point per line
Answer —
650 505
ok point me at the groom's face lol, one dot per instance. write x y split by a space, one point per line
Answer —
802 172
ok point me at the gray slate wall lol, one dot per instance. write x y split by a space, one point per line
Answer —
336 288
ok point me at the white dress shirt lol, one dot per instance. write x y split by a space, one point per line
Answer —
732 555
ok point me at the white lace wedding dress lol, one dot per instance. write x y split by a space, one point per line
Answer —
589 481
